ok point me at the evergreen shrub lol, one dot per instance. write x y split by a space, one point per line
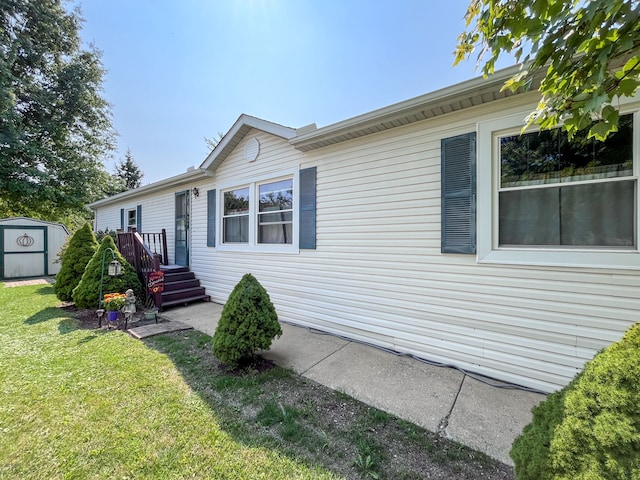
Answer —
591 428
76 255
87 293
248 322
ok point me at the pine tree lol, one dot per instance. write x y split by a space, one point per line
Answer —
78 253
248 322
86 294
128 172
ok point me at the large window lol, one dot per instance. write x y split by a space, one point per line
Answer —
556 192
275 214
543 199
261 213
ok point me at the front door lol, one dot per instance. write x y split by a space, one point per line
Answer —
182 228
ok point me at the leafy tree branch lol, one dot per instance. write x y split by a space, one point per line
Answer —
584 53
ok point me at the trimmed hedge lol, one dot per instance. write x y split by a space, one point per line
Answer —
591 428
76 256
87 292
248 322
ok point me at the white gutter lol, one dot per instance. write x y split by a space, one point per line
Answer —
176 180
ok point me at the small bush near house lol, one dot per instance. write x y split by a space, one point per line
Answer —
248 322
87 293
591 428
76 256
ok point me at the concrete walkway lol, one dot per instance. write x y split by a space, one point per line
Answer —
462 408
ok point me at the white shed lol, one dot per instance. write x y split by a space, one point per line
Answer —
30 247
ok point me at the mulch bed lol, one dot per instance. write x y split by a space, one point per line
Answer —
89 320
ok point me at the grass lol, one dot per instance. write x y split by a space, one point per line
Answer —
78 403
95 404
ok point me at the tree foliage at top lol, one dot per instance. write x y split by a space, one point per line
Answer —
213 142
128 173
55 127
587 51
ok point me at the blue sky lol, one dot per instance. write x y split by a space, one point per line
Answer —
183 70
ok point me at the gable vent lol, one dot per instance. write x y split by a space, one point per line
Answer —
252 149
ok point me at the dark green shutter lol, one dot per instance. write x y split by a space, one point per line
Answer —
211 218
459 194
307 238
139 218
122 219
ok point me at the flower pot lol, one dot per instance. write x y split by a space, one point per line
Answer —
112 315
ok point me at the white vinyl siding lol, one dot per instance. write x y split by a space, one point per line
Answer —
377 274
157 213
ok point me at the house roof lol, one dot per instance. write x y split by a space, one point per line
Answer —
189 176
237 132
466 94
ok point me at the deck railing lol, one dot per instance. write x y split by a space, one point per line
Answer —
157 243
134 248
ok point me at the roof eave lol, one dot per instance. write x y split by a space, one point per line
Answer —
467 94
237 132
176 180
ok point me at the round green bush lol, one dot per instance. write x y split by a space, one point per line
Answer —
248 322
76 256
591 428
87 293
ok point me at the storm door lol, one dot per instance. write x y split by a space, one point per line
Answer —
182 228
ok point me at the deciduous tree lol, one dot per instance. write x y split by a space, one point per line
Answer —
586 52
55 127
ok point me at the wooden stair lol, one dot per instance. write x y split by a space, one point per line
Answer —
181 287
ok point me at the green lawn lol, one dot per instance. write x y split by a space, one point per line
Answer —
83 404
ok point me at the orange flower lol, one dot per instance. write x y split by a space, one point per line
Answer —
114 301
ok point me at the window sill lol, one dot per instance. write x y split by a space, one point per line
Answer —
246 248
618 259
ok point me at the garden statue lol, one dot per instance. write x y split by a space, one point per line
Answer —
129 307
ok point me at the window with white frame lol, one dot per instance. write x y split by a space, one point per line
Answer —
567 193
261 213
235 216
275 212
132 218
546 200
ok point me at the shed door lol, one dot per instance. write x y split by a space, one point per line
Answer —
23 252
182 228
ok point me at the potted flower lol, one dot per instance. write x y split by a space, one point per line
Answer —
112 303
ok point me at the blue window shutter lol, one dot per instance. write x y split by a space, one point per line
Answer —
122 219
139 218
308 208
211 218
458 169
